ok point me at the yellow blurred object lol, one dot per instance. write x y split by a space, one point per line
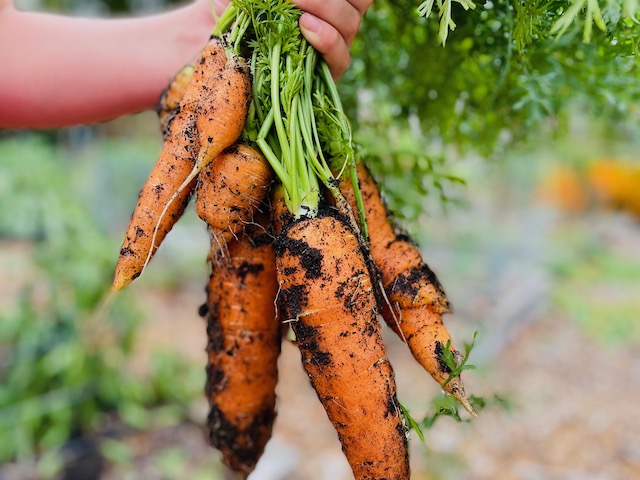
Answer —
564 188
616 183
606 182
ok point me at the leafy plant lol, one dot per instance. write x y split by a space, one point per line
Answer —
447 405
444 10
502 79
63 361
456 365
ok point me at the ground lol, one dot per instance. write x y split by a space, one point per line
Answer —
554 301
572 415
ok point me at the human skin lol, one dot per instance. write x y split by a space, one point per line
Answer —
59 70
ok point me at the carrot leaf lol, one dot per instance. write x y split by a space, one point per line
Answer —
456 365
444 406
444 10
296 117
411 422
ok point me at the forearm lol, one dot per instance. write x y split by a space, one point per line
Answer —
62 71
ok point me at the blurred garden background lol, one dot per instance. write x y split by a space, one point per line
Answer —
512 154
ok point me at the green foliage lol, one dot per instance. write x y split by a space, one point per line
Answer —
409 166
296 118
597 287
410 422
171 463
444 10
457 365
503 79
546 17
448 405
444 406
568 18
116 452
64 360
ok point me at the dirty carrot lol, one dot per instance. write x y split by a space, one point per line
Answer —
230 190
326 294
415 299
221 105
280 215
169 104
165 194
243 348
175 163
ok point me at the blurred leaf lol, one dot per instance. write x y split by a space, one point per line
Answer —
134 415
116 452
50 464
171 463
443 406
63 365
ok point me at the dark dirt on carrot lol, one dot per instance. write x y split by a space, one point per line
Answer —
333 314
243 347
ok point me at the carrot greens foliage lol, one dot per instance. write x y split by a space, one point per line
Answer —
457 366
444 10
510 72
296 117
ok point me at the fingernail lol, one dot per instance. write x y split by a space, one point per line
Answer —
310 22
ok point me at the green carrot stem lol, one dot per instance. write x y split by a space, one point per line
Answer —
272 158
335 98
225 21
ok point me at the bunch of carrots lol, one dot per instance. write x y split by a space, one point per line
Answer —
300 237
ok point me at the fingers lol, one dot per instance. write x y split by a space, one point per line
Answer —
326 40
330 26
361 5
342 15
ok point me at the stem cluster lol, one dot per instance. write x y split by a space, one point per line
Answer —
296 117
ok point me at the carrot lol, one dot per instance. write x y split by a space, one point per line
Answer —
280 215
169 104
243 348
165 195
415 299
221 107
326 293
229 191
175 163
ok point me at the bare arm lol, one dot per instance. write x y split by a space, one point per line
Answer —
59 71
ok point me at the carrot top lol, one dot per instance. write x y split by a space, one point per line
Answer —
296 118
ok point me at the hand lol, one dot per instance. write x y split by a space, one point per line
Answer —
329 25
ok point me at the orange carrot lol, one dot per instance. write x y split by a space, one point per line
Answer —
243 348
230 190
280 215
169 104
165 194
221 108
175 163
415 300
326 293
426 336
